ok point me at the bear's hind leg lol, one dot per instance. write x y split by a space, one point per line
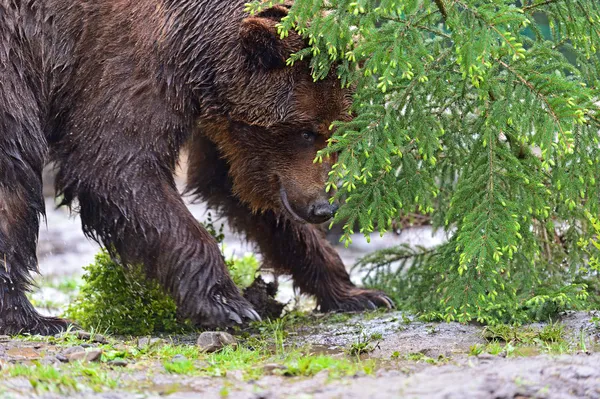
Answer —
22 150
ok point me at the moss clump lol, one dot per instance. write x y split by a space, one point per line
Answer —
244 270
123 301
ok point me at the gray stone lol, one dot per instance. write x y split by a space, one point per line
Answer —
73 349
146 342
4 338
118 363
62 358
179 358
273 368
89 356
83 335
583 372
211 341
86 336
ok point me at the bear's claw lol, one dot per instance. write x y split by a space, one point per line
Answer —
225 311
248 314
252 315
356 300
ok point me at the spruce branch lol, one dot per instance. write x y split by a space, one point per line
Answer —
541 96
447 123
442 7
538 5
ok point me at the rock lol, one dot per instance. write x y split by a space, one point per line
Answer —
62 358
178 358
146 342
359 374
48 361
89 356
212 341
273 368
486 356
86 345
86 336
4 338
73 349
118 363
583 372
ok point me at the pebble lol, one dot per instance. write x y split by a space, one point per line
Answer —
148 342
89 356
271 368
486 356
61 358
583 372
86 336
211 341
118 363
179 358
4 338
73 349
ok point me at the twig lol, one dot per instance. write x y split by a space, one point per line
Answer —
544 3
442 7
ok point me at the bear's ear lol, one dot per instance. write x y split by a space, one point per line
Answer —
261 43
276 12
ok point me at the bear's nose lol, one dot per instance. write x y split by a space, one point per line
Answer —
321 211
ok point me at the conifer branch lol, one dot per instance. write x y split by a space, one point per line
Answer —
540 96
431 106
538 5
442 7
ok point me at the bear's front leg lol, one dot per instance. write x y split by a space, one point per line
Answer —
141 217
317 269
291 248
118 163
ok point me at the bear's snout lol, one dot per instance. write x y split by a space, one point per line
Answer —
321 211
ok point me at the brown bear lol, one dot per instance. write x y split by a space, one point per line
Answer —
111 90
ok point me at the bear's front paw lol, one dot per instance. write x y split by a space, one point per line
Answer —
356 300
224 309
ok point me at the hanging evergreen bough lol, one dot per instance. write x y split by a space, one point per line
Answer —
483 114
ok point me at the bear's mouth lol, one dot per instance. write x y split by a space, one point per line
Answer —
288 208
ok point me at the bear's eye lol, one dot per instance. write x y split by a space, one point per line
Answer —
309 136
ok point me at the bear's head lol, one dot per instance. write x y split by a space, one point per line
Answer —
277 119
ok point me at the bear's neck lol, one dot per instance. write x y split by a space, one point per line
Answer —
199 47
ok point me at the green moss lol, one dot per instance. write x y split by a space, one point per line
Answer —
122 301
243 270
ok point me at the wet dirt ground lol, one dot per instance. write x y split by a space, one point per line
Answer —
411 359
